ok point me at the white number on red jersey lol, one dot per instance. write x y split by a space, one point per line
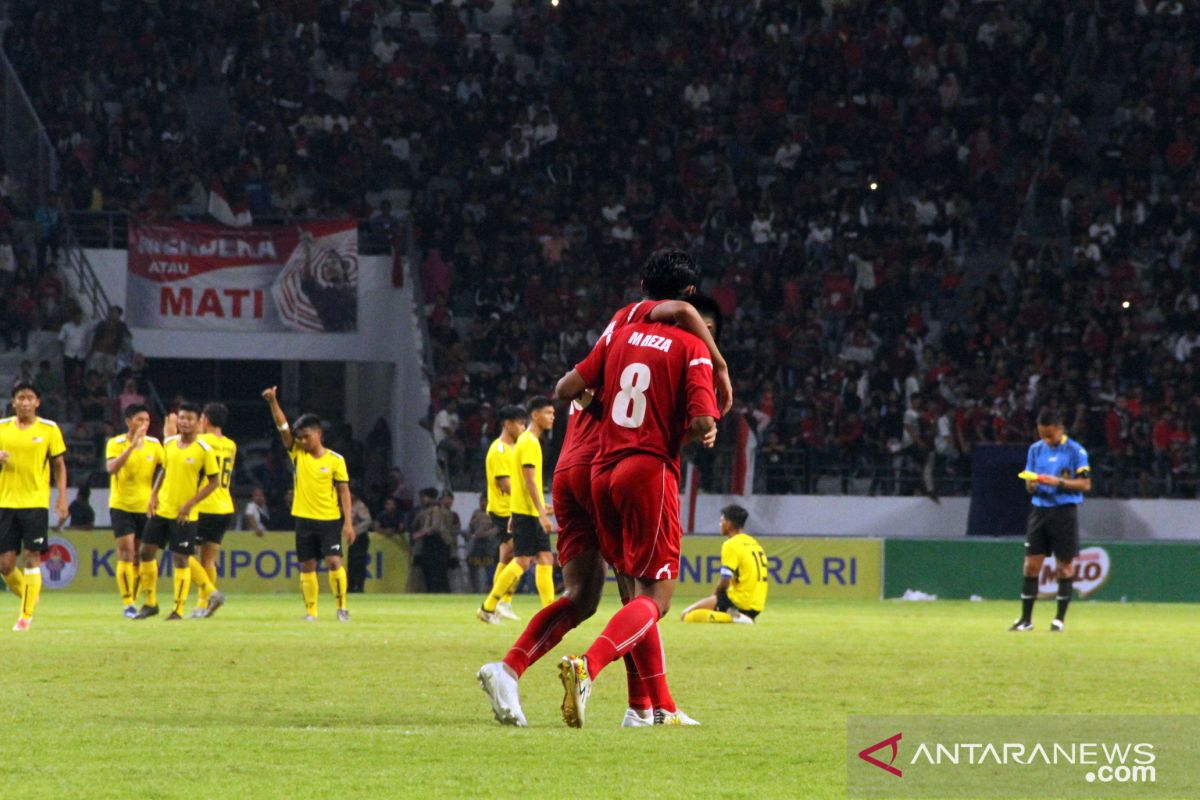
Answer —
629 406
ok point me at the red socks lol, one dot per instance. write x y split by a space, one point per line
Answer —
651 661
631 633
621 633
639 695
544 631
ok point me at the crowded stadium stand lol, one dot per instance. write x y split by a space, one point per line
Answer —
923 222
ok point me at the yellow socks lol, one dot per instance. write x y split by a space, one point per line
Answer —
337 585
705 615
126 578
31 590
183 582
543 575
201 578
310 588
506 581
13 579
148 581
507 597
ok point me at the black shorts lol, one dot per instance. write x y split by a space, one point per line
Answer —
211 528
24 527
170 534
1053 530
127 522
501 523
318 538
724 604
528 537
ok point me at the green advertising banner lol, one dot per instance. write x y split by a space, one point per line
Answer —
86 561
991 569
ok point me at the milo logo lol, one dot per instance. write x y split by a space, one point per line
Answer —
1091 571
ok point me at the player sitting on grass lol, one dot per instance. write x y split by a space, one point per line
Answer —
742 591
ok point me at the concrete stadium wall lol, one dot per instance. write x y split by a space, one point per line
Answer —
1101 519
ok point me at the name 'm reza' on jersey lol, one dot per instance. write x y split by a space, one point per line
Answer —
650 340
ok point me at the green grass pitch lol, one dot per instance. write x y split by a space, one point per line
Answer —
257 704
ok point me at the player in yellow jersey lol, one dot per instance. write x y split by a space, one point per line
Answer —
216 510
29 447
189 475
530 521
501 470
132 459
741 593
320 506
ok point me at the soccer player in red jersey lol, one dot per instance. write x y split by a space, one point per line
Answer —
658 385
667 274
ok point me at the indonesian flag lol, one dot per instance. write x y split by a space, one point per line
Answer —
741 480
222 211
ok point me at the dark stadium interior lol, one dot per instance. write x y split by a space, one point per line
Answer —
925 220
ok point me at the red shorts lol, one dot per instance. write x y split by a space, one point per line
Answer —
637 517
571 493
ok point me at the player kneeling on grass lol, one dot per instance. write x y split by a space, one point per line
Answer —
1057 475
742 591
321 506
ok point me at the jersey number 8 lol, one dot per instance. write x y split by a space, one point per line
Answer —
629 406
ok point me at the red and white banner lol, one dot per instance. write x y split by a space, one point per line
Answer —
302 277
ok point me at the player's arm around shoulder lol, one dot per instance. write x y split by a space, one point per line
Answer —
702 407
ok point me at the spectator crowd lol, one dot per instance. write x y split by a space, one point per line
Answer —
859 183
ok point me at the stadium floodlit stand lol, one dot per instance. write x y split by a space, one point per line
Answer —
924 222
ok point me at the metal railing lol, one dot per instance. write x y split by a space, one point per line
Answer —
109 230
28 153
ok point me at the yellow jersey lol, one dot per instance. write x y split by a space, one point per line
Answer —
316 484
130 486
186 468
225 450
744 562
25 476
500 463
528 453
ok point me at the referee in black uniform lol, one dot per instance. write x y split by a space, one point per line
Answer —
1063 476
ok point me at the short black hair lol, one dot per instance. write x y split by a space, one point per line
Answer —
538 403
736 515
707 307
217 414
133 409
21 386
306 421
193 407
1049 417
512 412
668 273
430 492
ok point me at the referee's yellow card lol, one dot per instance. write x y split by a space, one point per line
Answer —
1026 475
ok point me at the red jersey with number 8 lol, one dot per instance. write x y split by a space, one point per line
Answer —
656 378
582 439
